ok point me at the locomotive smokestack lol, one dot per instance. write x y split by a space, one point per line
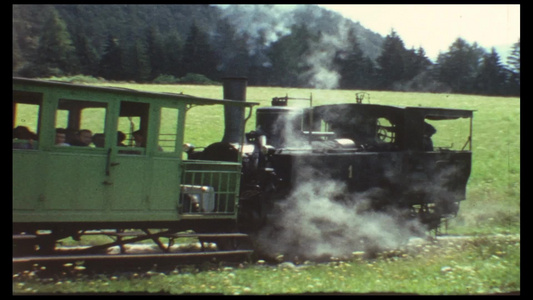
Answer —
234 89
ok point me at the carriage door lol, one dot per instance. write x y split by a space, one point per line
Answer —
130 166
76 165
145 162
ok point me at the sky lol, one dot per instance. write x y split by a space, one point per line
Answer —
436 27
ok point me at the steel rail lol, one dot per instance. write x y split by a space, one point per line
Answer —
105 257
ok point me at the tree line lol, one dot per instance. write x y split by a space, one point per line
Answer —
293 60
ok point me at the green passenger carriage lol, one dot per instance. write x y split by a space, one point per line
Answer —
119 181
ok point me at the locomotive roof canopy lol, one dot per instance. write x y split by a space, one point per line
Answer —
431 113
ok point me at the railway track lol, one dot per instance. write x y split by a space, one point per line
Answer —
125 256
125 251
125 262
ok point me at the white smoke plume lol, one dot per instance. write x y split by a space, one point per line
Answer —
323 74
268 23
320 219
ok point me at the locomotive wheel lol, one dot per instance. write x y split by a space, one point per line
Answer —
427 215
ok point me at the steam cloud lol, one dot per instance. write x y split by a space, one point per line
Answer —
320 218
268 23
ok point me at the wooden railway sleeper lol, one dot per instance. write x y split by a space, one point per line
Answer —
120 242
156 240
119 239
224 241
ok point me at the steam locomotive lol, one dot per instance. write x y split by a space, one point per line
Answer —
383 151
240 184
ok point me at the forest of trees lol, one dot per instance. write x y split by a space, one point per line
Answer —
197 43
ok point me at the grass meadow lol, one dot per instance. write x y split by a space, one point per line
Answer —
486 264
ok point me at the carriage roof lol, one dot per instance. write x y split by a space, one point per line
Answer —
188 99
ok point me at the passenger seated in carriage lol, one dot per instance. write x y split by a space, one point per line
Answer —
82 138
23 138
61 137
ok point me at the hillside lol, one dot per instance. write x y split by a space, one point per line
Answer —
268 23
271 45
257 25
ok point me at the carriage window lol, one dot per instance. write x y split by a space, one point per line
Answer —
81 122
26 110
126 128
133 127
168 129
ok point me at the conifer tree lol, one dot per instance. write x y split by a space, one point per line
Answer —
173 47
87 56
232 52
287 56
391 64
56 53
491 77
198 57
155 52
349 63
513 60
459 66
111 62
141 69
415 62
